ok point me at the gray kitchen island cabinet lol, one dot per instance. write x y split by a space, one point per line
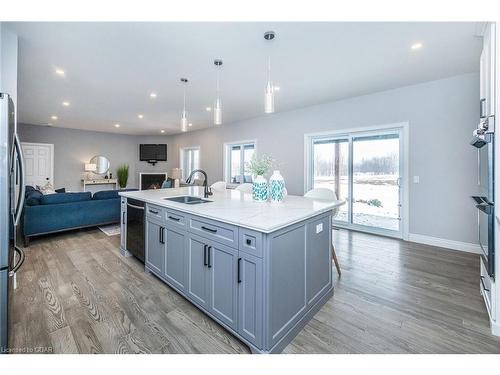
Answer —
262 277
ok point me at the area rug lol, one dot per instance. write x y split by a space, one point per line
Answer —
111 230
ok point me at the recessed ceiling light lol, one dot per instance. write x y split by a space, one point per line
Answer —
152 95
140 115
162 131
117 125
53 117
208 109
60 72
415 46
66 104
190 124
276 88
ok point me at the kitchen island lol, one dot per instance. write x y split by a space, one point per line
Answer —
261 270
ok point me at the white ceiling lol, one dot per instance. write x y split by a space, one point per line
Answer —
112 67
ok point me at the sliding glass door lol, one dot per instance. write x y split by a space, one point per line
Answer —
364 169
330 158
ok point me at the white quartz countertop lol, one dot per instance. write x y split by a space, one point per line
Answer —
235 207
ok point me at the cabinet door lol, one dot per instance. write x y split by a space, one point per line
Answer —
223 283
155 247
175 258
250 296
123 224
197 288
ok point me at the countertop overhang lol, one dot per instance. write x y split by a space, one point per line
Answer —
237 208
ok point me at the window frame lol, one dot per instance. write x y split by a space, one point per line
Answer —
403 128
227 157
182 150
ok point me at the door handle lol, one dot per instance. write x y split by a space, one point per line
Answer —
20 201
209 257
239 271
123 217
482 108
205 255
162 235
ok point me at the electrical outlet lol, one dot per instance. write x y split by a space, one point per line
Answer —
319 228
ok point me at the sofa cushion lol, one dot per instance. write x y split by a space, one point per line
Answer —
108 194
32 196
105 194
65 198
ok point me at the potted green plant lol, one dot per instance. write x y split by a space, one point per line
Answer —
122 173
258 167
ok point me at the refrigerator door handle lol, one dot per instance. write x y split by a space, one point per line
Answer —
20 201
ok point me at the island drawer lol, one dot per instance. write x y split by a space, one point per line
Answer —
153 211
251 242
224 233
175 219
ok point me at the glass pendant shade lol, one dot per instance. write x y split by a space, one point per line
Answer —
269 98
217 112
184 121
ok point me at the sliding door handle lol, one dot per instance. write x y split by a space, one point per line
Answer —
205 263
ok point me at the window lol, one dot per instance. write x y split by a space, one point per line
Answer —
366 168
237 155
190 160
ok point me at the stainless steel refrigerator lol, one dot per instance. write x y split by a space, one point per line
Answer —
12 191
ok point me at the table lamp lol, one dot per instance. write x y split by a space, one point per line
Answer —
176 175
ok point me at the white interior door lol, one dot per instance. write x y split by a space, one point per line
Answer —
39 160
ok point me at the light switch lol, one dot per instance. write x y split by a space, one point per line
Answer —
416 179
319 228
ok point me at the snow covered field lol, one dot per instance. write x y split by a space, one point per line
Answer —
367 189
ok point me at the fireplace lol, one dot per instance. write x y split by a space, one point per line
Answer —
151 180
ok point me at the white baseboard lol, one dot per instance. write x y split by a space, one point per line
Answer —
442 242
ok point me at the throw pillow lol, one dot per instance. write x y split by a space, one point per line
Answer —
46 189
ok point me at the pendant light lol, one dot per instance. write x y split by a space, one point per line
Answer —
184 121
269 95
217 106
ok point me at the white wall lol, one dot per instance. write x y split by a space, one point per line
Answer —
441 116
8 63
73 148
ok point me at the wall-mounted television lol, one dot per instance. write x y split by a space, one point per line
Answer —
153 153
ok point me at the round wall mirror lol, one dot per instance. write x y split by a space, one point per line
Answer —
102 164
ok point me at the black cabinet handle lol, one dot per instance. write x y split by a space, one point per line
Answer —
239 270
174 218
209 229
123 217
209 257
205 255
153 212
249 241
162 235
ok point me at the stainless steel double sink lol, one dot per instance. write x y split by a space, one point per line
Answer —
187 199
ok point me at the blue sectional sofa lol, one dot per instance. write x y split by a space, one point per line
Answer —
65 211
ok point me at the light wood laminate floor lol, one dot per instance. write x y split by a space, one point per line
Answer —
77 294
